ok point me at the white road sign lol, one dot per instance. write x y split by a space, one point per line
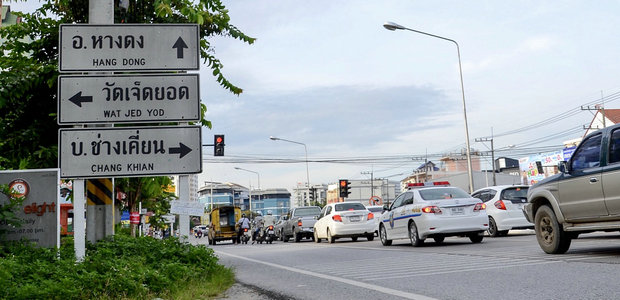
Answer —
190 208
129 151
118 47
128 98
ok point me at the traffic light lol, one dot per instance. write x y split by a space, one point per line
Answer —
312 195
218 145
344 186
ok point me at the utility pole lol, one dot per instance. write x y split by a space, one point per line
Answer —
492 154
372 186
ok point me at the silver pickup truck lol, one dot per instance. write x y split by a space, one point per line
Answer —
584 197
299 223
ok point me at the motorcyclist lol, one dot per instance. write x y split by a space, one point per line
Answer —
243 224
258 225
270 219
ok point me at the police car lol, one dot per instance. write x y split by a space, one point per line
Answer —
433 210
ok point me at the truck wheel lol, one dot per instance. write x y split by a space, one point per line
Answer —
383 236
284 237
551 237
413 235
296 237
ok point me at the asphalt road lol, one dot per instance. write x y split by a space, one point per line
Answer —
511 267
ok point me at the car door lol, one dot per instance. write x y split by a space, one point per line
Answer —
611 174
398 219
320 224
581 189
390 216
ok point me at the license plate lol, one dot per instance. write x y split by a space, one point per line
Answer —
354 218
457 211
270 232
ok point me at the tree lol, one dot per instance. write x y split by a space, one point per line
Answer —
29 68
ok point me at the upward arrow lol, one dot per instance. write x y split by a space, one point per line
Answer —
77 99
182 150
179 45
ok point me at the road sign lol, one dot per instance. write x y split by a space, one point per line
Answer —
190 208
129 151
128 98
118 47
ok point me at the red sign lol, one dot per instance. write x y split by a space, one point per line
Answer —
134 218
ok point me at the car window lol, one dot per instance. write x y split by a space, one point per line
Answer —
442 193
408 199
323 212
484 195
490 195
349 206
614 147
307 211
514 194
398 201
588 154
328 211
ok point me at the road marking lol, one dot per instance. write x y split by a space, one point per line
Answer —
377 288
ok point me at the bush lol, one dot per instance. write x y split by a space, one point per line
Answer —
117 267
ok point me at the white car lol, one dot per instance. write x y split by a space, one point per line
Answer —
376 210
504 207
433 212
338 220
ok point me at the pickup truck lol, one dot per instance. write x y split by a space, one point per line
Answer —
583 197
299 223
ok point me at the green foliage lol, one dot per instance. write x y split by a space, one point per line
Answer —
29 64
8 207
115 268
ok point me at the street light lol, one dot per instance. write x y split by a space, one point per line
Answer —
393 26
242 169
273 138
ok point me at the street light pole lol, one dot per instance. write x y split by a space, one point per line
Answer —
242 169
273 138
393 26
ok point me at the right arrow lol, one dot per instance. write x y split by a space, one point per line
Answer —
78 99
179 45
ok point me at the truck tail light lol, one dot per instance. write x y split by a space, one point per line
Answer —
500 204
299 223
270 227
480 206
337 218
431 209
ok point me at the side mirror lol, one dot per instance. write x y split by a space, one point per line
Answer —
563 167
385 207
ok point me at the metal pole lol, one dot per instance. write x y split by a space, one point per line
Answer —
394 26
307 169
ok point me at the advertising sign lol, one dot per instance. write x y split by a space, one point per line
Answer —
134 217
129 151
119 47
549 161
148 98
187 208
39 213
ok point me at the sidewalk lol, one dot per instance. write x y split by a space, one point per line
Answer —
241 291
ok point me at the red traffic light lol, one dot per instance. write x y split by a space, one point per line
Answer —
218 139
343 183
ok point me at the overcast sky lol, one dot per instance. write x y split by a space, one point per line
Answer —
327 74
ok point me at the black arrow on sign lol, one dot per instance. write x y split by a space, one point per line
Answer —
78 99
182 149
179 44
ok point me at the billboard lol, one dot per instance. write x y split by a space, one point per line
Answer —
40 212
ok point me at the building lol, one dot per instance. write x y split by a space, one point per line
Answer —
304 196
278 201
214 194
7 17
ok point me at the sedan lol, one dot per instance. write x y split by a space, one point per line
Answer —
339 220
504 207
433 212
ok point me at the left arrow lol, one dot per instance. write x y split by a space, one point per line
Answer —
182 149
179 45
78 99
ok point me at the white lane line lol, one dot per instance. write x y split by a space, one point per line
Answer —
377 288
465 270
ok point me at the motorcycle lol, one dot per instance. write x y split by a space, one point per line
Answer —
269 234
245 236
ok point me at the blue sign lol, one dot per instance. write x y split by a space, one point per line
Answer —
125 215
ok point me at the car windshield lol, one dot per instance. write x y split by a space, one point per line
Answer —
443 193
349 206
515 193
307 211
